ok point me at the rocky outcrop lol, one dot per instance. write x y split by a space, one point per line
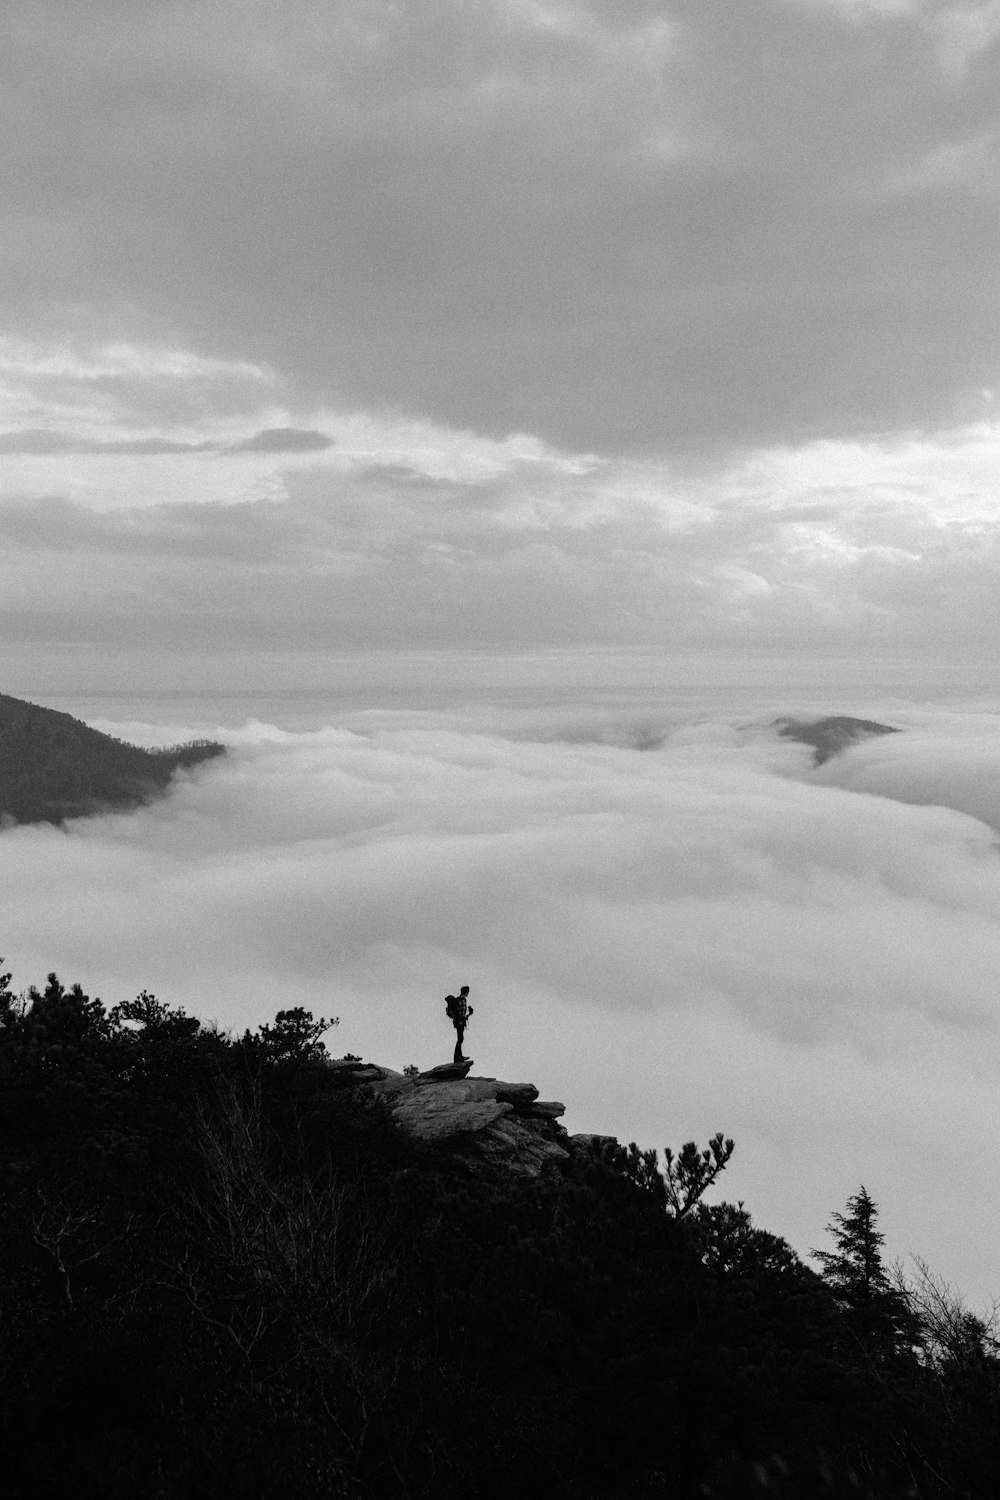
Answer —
445 1071
484 1123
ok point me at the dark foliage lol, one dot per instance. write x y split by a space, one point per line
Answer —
225 1273
54 767
878 1312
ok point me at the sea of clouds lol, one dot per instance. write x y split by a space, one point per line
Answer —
673 928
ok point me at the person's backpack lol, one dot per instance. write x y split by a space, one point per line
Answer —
457 1007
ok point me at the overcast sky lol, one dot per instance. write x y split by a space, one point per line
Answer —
661 325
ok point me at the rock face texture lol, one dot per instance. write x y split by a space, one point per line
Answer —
484 1123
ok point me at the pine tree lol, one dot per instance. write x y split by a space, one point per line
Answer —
855 1270
878 1312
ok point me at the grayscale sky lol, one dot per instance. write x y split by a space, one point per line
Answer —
664 325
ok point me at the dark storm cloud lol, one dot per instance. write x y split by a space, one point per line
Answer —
674 223
284 440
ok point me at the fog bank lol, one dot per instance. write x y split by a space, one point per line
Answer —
704 933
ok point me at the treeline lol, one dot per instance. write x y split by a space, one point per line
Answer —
224 1273
54 767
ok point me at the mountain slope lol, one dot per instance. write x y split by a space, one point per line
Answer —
53 767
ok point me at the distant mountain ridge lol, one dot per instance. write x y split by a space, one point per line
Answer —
831 735
54 767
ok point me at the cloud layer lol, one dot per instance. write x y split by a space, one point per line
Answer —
613 226
663 326
675 940
340 533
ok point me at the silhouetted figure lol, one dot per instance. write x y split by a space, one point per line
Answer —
459 1010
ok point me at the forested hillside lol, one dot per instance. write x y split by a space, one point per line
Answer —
53 767
829 736
226 1272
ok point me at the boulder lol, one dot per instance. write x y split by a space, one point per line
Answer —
470 1088
545 1109
511 1146
517 1094
445 1071
439 1113
354 1070
369 1074
392 1086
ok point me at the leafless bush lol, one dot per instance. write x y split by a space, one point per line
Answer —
270 1238
951 1336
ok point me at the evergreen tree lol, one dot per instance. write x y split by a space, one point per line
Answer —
877 1312
855 1270
293 1038
685 1177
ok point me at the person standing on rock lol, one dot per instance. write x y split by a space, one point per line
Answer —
459 1010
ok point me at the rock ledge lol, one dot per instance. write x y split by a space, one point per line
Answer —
484 1123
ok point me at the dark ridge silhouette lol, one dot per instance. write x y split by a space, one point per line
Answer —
831 735
54 767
